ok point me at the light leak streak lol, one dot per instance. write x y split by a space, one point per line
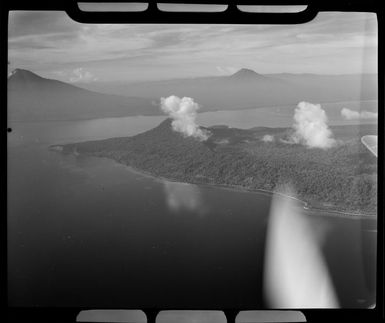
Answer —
295 273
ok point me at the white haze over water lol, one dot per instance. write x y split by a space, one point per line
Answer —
311 126
183 111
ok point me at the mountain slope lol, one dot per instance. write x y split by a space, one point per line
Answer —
248 89
34 98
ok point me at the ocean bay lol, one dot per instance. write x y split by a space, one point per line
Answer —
154 235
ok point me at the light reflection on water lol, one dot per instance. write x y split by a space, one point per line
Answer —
184 197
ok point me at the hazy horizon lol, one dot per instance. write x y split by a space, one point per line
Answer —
52 45
81 84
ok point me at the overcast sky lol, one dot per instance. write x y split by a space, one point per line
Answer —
52 45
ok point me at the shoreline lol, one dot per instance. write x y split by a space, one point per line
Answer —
238 188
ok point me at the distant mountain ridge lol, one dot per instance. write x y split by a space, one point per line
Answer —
35 98
249 89
32 97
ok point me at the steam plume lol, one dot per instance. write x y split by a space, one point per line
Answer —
354 115
310 125
183 112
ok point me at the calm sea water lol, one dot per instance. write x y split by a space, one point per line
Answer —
86 231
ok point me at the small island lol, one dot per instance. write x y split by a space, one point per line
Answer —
341 179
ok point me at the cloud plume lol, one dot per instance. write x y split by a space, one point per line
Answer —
310 126
355 115
183 111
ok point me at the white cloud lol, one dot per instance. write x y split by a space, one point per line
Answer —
267 138
183 112
79 75
310 126
355 115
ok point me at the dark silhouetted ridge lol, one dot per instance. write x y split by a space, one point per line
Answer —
21 75
35 98
25 80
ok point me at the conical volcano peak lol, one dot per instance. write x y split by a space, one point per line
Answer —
24 75
246 73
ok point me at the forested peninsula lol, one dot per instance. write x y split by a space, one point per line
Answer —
342 178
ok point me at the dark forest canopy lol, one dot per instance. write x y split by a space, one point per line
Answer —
342 178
